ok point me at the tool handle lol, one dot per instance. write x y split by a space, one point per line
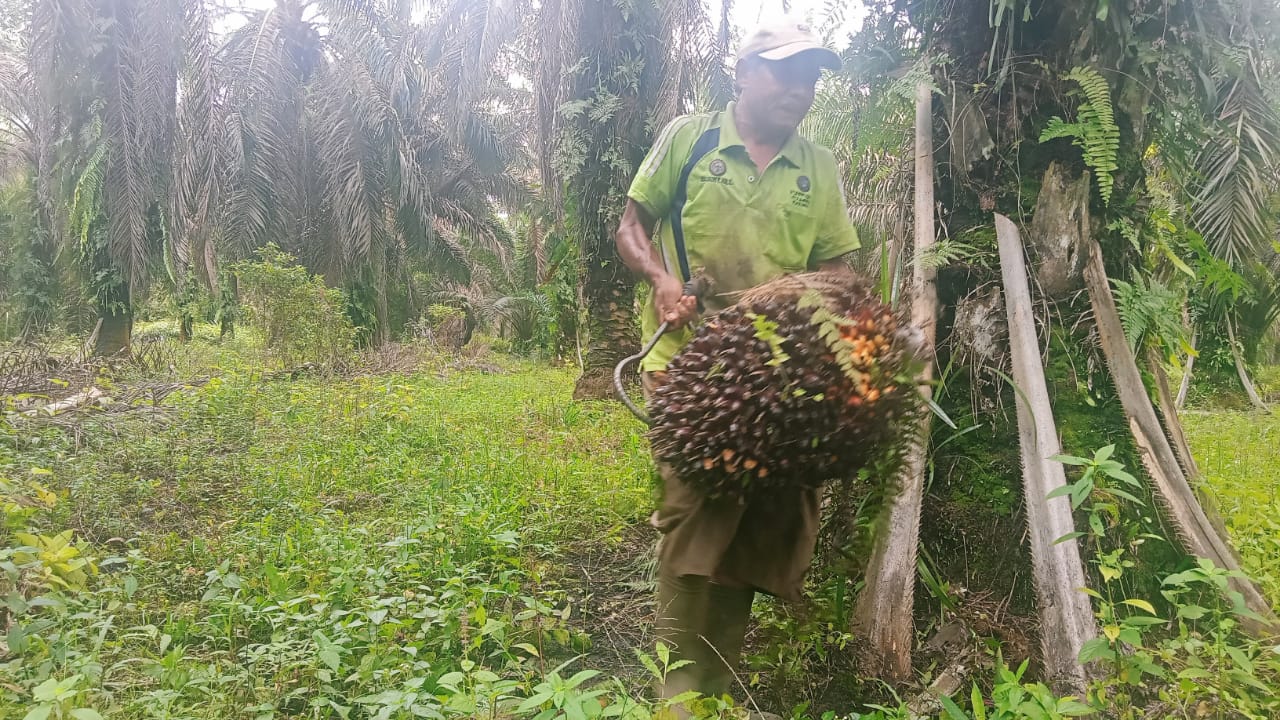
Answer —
696 287
620 387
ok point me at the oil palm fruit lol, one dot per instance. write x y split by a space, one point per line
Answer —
804 379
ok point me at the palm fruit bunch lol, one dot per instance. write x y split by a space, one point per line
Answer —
805 379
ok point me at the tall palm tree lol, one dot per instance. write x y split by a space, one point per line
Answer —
105 80
366 138
30 244
608 73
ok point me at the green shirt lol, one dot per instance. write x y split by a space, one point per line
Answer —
739 229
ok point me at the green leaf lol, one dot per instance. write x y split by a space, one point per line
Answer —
649 664
39 712
573 710
1059 492
1068 537
953 711
684 697
942 414
1122 494
528 648
1069 459
1123 476
1073 708
331 659
1096 649
1242 660
975 701
1191 612
533 702
1095 524
581 677
1081 491
85 714
1143 621
1141 605
451 679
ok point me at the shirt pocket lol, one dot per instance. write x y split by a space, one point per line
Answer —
789 244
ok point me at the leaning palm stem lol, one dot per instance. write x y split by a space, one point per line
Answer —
884 611
1066 618
1199 535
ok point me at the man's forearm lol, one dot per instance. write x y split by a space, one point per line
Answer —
635 246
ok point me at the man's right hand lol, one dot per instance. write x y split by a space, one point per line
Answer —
639 253
673 306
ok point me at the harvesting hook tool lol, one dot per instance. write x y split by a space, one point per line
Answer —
696 287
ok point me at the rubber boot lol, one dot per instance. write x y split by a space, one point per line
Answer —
725 627
705 623
678 621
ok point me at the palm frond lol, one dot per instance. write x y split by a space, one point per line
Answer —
195 172
352 175
1237 173
685 26
139 79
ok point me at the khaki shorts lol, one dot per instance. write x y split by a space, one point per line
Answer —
765 543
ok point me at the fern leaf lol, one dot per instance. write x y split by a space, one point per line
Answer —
1095 129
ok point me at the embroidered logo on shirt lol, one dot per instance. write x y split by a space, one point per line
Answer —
717 167
802 182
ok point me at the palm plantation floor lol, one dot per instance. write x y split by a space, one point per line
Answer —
424 543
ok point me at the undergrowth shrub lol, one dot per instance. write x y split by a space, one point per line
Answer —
300 320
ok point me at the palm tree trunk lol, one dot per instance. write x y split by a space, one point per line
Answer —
1198 534
885 606
378 262
115 324
1066 617
38 280
1168 411
1185 385
608 292
1241 370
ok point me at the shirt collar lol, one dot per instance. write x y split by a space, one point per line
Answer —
729 138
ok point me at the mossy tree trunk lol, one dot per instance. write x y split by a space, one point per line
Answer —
608 292
1017 58
618 81
35 274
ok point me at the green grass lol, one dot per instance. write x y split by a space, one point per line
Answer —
1239 456
392 546
309 547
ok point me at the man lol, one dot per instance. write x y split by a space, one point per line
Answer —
738 196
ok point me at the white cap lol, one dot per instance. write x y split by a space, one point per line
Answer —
779 41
